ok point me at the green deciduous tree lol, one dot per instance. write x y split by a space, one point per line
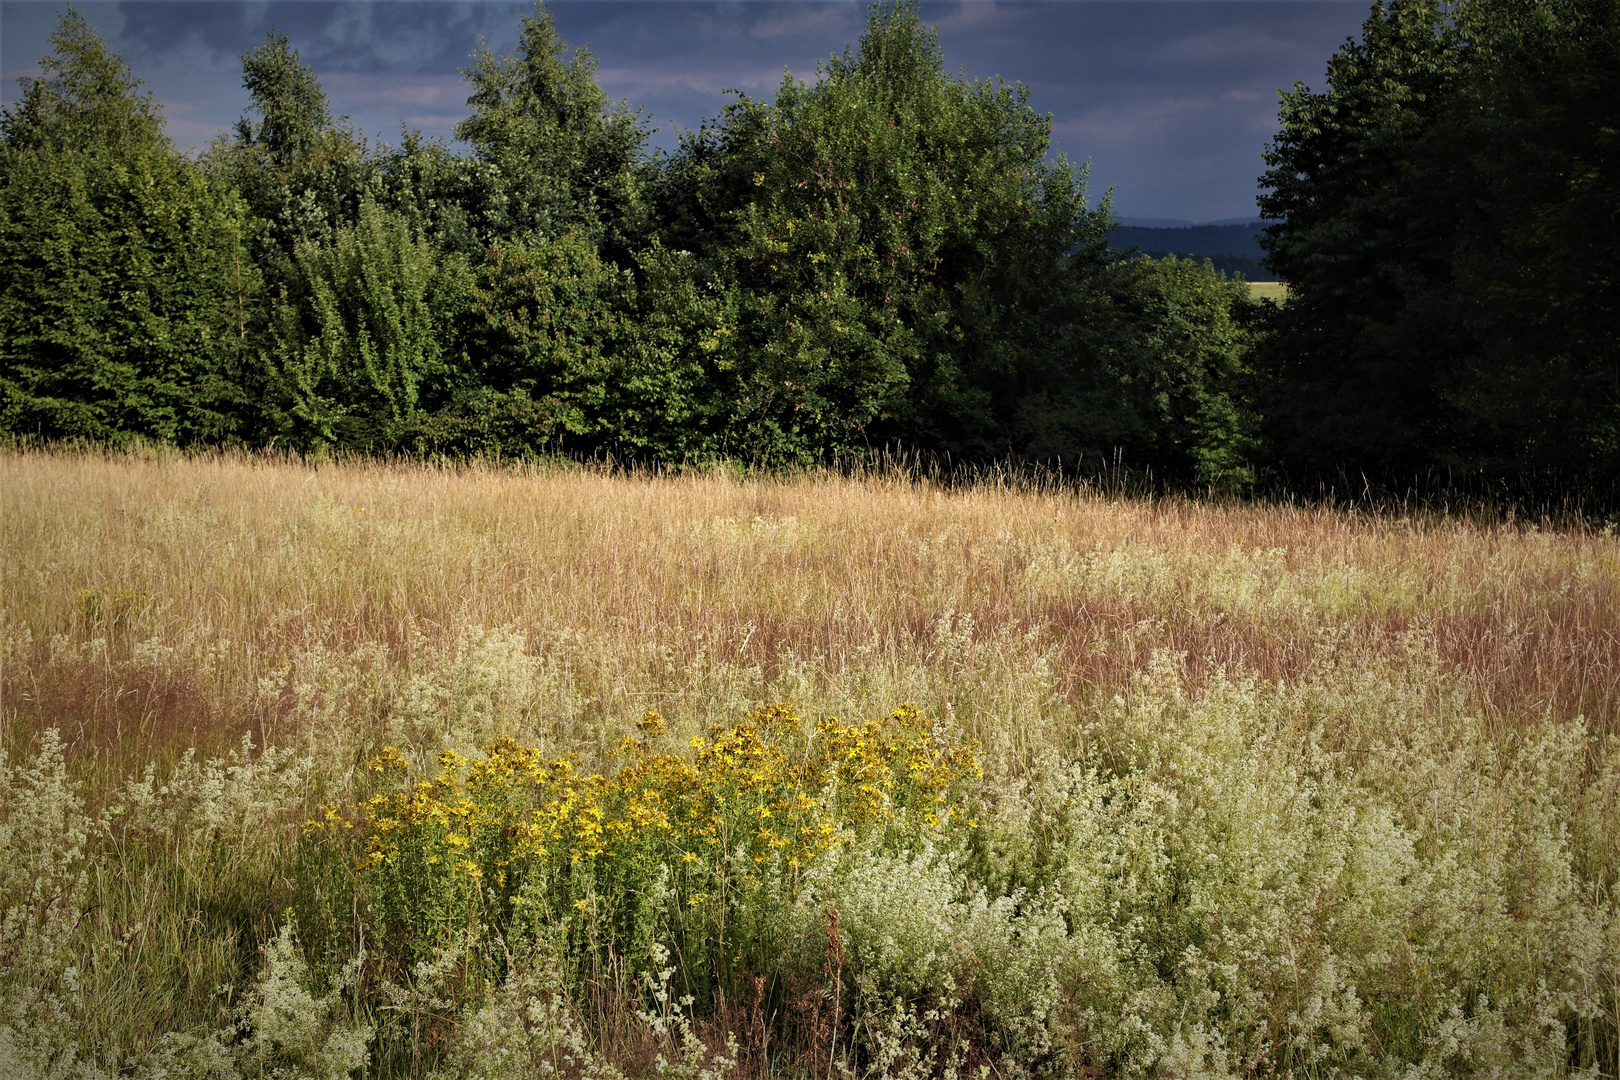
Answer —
893 236
1538 259
125 277
300 171
1365 235
1444 217
890 255
566 352
1149 371
553 154
357 336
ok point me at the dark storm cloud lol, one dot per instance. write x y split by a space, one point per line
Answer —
374 38
1170 100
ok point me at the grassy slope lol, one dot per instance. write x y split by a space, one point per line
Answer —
159 603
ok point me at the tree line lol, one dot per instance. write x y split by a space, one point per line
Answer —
1447 216
886 256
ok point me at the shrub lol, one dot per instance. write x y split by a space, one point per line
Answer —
357 333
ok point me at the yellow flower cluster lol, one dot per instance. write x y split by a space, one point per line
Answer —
768 790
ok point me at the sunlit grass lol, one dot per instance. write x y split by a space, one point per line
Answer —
1372 752
156 603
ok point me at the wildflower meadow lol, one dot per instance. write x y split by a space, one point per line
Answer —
358 769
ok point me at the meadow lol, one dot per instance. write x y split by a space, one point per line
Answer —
348 768
1269 290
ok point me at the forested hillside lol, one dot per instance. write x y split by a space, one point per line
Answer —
1231 249
887 256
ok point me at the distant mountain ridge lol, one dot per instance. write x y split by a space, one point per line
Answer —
1182 223
1230 245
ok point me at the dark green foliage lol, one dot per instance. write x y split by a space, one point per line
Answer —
1365 238
298 171
1446 214
432 189
1151 372
84 99
125 277
1538 261
887 256
891 234
293 114
566 352
552 153
1249 268
356 336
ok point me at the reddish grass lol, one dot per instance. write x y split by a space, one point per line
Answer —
648 589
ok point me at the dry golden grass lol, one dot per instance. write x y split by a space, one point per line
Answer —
1269 290
155 602
1325 769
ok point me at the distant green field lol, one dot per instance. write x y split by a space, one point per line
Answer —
1269 290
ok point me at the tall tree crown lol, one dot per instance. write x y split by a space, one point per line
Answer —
565 155
288 98
84 99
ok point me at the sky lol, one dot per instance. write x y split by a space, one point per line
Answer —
1171 101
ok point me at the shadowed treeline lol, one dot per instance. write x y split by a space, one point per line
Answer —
884 256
